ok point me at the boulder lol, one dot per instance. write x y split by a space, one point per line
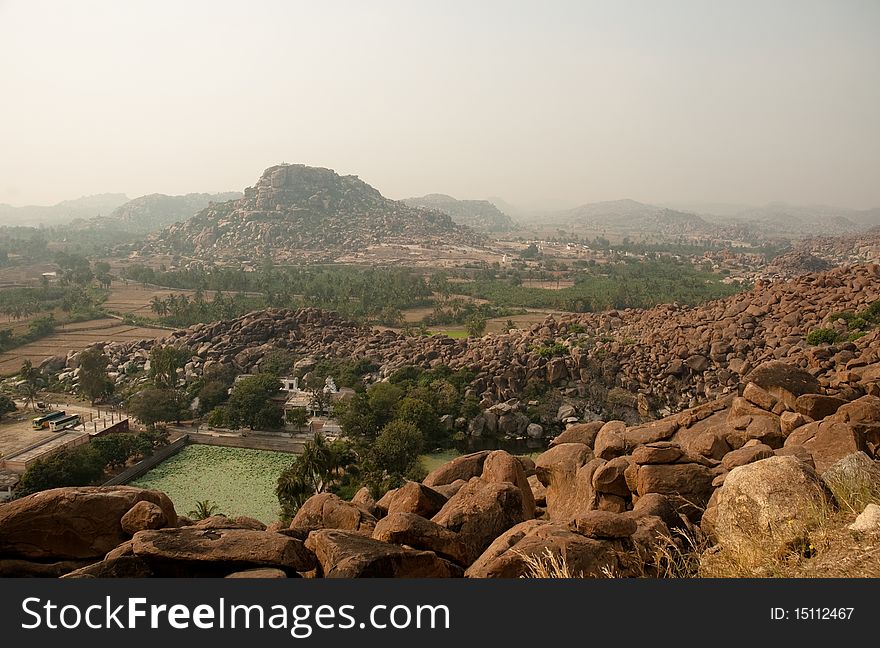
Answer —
259 572
790 421
602 524
417 498
765 505
759 397
817 406
746 455
784 381
480 568
345 554
569 484
196 552
609 441
579 433
119 567
502 467
480 512
464 467
661 452
853 479
417 532
327 511
545 544
609 478
655 505
833 441
448 490
868 520
687 485
365 500
142 516
72 523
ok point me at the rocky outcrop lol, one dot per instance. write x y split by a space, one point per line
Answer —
73 523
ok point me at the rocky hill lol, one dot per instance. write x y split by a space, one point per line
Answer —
633 217
480 215
154 212
296 211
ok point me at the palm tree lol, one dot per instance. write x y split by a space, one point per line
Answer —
30 386
204 509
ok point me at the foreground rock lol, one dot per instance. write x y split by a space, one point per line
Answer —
480 512
73 523
344 554
766 505
328 511
190 551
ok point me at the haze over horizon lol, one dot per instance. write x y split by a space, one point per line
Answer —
665 103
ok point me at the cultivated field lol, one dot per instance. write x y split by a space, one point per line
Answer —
74 337
135 298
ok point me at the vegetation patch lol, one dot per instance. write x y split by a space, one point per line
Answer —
238 481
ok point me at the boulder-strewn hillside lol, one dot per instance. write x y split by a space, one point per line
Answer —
480 215
777 479
296 210
645 362
154 212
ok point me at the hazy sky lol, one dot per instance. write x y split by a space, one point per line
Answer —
537 102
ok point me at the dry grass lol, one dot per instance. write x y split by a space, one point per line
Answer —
547 565
817 545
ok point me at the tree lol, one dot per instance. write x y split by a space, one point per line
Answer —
115 449
7 405
93 380
151 405
212 394
278 363
30 383
164 363
81 466
317 470
422 416
250 402
297 417
396 449
476 326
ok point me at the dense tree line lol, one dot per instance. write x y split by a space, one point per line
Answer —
625 285
372 293
88 464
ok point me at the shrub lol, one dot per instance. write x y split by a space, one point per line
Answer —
822 336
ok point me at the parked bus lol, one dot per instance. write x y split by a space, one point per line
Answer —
65 423
43 421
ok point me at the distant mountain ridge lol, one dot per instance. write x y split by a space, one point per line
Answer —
295 209
481 215
154 212
631 216
63 212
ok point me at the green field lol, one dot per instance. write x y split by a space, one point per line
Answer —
239 481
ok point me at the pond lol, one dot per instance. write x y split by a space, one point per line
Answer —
239 480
